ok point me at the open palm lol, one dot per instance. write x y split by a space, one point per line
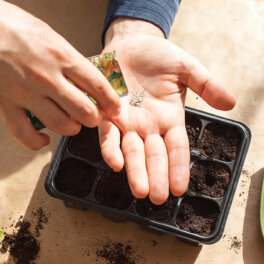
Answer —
154 146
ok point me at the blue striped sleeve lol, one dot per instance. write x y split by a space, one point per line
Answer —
158 12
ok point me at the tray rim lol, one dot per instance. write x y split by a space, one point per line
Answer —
152 224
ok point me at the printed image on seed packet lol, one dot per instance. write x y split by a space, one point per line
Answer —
107 63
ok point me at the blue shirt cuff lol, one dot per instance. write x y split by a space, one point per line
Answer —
159 12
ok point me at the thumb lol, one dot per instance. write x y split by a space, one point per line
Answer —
195 76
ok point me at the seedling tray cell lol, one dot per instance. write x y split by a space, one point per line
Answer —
197 215
209 178
113 190
163 213
79 176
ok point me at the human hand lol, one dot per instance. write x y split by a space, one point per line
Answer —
41 72
155 147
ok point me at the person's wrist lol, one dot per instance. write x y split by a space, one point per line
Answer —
122 28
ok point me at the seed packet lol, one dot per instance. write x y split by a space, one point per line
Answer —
109 66
107 63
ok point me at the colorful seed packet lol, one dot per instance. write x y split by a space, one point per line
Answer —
107 63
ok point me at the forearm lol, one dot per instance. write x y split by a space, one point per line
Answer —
155 12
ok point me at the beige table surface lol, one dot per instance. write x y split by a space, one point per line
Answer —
228 38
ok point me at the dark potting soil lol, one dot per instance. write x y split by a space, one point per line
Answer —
86 145
209 178
197 215
236 244
117 253
113 190
75 178
164 212
193 126
22 245
220 142
42 218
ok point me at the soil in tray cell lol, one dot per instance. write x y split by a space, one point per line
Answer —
209 178
164 212
86 145
197 215
193 126
75 178
220 142
113 190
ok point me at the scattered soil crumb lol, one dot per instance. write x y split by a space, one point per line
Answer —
23 245
154 243
246 173
235 244
42 218
117 253
241 194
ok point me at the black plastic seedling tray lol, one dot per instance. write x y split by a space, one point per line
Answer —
79 176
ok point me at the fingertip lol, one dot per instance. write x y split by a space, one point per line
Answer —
93 122
197 77
229 103
71 128
179 181
76 128
159 198
232 102
218 96
139 194
118 166
90 116
139 190
114 161
178 191
135 163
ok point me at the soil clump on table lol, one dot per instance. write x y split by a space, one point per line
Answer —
117 253
23 245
